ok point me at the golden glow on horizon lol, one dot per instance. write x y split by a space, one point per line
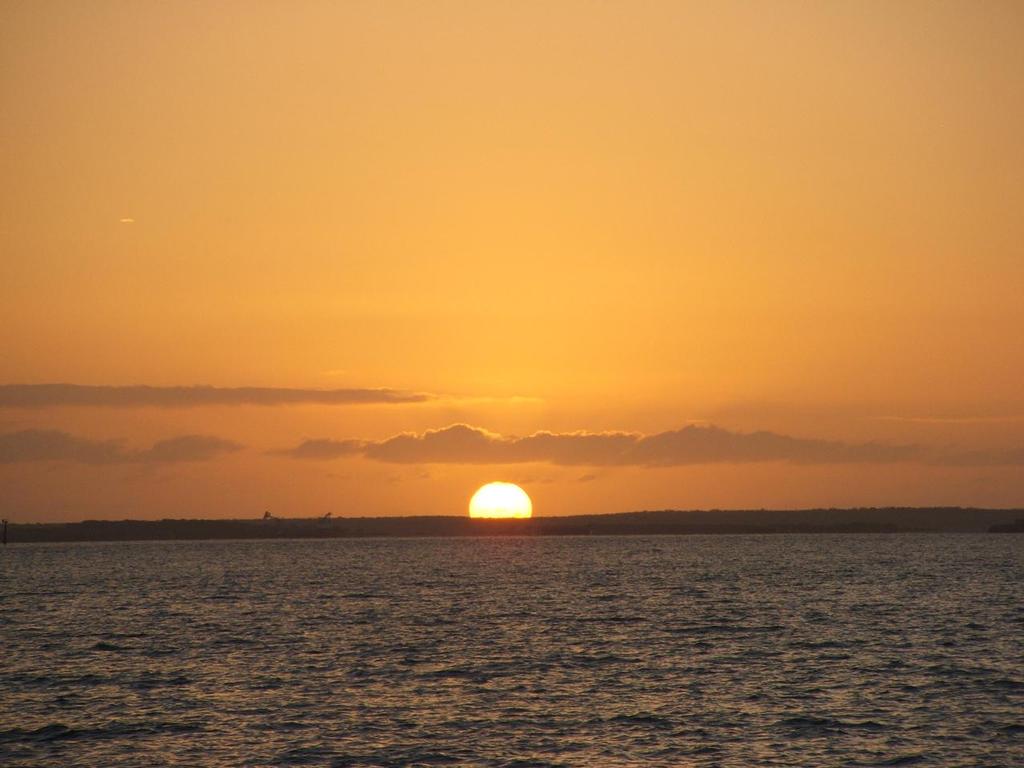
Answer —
572 218
496 500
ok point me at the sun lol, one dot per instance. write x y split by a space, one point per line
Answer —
500 500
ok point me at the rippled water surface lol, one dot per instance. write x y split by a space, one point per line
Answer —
727 650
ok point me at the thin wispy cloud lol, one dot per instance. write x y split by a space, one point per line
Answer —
55 395
1003 458
35 445
952 419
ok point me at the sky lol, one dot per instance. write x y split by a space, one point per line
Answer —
363 257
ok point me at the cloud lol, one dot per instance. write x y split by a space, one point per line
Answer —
323 449
457 444
694 444
1004 458
48 395
187 448
54 445
698 445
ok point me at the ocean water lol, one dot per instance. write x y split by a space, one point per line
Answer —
675 651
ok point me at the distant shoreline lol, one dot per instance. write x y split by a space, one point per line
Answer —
663 522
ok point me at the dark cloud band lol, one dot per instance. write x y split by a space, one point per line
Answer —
464 444
51 395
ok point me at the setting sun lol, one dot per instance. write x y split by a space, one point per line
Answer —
500 500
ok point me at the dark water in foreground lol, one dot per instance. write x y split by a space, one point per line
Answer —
727 650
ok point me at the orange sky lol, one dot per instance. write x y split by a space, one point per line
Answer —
565 217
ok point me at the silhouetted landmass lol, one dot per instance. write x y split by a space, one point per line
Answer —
1017 526
665 522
